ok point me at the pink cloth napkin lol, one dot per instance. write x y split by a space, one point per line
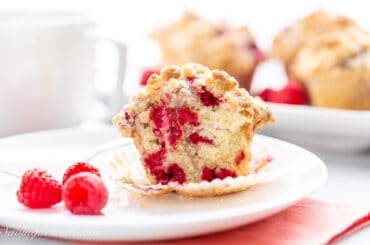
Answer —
308 222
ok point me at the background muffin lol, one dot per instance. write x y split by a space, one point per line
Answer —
216 45
288 43
336 69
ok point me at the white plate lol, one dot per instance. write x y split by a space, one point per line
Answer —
321 127
153 218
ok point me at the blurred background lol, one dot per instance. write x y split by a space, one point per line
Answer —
132 21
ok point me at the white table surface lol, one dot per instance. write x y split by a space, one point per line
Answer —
349 181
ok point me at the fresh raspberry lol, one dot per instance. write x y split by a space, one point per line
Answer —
196 139
207 98
222 173
85 193
38 189
146 74
207 174
292 93
78 168
239 158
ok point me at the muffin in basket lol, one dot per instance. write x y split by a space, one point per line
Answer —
213 44
192 124
288 42
336 69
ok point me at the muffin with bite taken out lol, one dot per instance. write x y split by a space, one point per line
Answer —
193 124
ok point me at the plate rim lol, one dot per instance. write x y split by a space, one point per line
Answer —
322 110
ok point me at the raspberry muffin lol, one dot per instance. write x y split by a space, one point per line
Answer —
336 69
192 124
288 43
216 45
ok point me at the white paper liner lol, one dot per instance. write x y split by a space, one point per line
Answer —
128 173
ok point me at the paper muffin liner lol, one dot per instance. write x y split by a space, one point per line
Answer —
341 94
128 173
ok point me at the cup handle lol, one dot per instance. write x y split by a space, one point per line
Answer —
117 98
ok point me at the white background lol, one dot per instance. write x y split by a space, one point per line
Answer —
131 21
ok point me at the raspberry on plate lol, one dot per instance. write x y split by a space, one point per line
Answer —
38 189
85 193
191 123
78 168
292 93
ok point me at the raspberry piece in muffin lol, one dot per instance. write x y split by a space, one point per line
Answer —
191 123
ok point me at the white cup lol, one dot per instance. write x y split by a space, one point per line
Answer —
47 70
